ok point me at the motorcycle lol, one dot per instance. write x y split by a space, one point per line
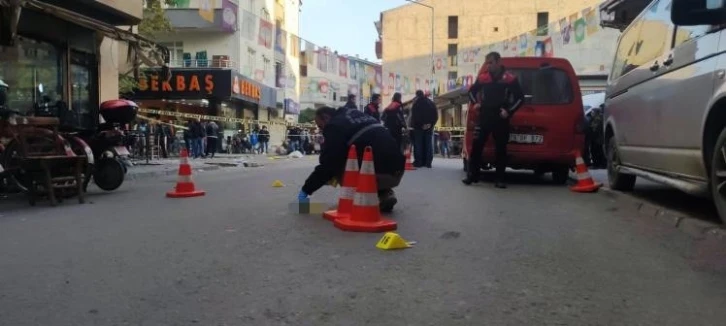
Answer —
108 144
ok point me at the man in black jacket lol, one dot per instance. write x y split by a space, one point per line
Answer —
423 118
351 103
344 127
373 108
497 95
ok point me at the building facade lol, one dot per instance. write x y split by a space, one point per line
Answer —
464 31
328 78
243 46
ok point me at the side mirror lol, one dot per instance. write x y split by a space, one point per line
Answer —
698 12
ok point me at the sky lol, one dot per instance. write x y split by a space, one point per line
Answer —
345 26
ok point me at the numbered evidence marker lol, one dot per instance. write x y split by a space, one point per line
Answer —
391 241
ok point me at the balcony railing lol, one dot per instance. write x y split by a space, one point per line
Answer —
203 63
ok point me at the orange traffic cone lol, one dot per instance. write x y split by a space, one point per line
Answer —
184 185
347 188
585 183
365 215
409 164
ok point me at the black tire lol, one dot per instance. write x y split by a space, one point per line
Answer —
108 174
718 175
617 180
560 175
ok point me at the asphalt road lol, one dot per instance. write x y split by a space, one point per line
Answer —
533 254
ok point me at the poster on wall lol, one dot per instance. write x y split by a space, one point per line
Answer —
378 86
343 67
265 36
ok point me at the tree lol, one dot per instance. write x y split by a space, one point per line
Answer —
154 21
306 116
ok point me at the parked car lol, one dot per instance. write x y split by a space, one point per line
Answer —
665 107
548 130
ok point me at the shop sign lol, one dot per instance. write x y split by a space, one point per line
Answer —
184 84
246 88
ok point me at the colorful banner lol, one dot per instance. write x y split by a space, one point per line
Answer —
206 9
280 40
229 16
310 53
265 36
343 67
294 48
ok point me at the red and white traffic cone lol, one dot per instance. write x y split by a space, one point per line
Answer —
347 188
185 185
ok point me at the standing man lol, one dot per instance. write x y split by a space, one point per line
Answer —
351 103
264 139
211 131
497 95
423 118
373 108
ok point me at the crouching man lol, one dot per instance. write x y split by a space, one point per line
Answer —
345 127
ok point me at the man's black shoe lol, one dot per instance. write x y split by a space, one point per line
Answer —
469 180
387 201
501 185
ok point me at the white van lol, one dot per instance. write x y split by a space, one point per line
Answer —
665 106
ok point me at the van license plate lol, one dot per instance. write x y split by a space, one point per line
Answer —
526 139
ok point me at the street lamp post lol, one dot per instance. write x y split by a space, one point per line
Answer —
433 63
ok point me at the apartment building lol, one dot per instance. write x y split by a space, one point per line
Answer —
464 31
242 47
328 78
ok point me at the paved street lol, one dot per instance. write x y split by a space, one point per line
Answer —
533 254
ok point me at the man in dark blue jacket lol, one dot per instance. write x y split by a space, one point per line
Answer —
344 127
497 95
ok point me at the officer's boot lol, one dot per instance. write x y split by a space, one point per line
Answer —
386 200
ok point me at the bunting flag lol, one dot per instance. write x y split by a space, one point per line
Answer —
206 9
265 36
280 40
322 62
294 48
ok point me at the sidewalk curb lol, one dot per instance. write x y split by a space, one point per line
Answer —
163 173
694 227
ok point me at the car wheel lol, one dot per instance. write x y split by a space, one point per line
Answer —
617 180
718 175
560 175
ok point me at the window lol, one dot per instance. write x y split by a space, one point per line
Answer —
687 33
655 36
452 52
453 75
496 29
279 74
547 86
543 19
28 65
303 71
83 94
266 62
251 60
626 47
453 26
176 53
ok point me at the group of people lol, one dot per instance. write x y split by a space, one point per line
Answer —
256 141
496 93
200 138
303 140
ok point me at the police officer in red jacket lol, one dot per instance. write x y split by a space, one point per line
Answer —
498 95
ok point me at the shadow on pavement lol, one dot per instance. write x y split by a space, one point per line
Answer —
669 198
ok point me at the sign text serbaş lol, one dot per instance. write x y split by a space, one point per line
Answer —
178 83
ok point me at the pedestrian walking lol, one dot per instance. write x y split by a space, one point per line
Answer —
497 95
211 130
394 120
423 118
344 127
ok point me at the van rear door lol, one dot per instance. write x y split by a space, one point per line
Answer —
552 113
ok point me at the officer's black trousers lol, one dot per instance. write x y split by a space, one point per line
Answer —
500 131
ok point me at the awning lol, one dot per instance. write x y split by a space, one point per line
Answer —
142 50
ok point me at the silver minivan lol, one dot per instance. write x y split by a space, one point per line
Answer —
665 106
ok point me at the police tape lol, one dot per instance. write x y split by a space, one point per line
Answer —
223 119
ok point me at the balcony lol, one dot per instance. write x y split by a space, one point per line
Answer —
186 15
203 63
